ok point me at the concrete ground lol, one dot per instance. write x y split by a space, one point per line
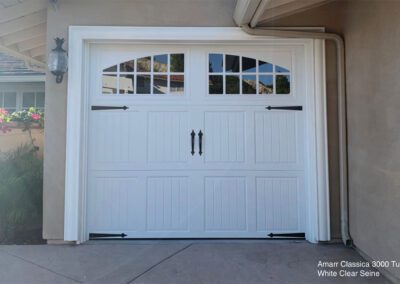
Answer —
175 262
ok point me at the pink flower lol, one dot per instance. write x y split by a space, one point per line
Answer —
3 111
35 116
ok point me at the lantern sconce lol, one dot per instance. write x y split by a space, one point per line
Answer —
58 60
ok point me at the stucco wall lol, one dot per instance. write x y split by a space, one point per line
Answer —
16 138
106 13
371 29
373 68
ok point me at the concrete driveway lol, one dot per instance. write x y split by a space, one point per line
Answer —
175 262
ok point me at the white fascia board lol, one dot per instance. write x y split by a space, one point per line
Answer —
22 79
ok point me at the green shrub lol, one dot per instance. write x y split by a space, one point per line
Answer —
21 184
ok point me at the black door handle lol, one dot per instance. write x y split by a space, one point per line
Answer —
285 107
109 107
193 134
200 143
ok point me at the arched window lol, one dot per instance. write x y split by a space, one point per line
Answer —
239 75
150 75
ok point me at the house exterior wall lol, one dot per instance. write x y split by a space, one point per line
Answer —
372 35
107 13
17 137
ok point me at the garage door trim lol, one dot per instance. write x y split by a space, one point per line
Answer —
80 39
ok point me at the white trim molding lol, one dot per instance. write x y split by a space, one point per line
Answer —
80 38
22 79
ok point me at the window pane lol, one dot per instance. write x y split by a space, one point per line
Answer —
280 69
232 63
283 84
215 84
111 69
144 64
10 100
143 84
160 63
265 84
215 62
177 63
28 100
128 66
265 67
126 84
40 100
249 84
232 85
109 84
249 65
160 84
177 83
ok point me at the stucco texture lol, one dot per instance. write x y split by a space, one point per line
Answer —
371 30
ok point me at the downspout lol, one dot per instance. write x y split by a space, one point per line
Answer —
341 82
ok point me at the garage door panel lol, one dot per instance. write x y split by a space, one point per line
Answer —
168 137
276 137
278 204
224 136
113 204
225 203
116 137
167 204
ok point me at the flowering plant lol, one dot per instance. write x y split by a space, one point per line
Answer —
27 118
4 118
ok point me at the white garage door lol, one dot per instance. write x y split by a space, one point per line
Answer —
183 142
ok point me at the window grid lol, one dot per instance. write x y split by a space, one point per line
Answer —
35 100
135 73
19 102
242 73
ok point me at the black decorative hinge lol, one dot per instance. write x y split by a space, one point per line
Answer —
95 236
288 235
285 107
109 107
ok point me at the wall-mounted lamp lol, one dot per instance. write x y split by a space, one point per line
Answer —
58 60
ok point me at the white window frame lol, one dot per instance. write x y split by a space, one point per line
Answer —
21 88
80 38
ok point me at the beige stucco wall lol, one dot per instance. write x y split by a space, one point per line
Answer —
371 29
16 138
111 13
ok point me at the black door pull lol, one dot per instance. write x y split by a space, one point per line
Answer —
285 107
109 107
193 135
200 143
